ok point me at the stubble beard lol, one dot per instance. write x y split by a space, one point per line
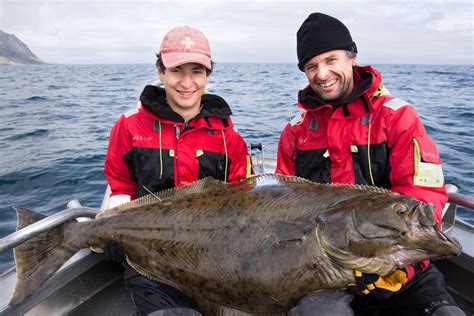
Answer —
340 94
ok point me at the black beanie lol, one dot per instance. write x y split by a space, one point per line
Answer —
321 33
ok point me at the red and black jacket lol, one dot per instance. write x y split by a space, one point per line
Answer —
152 148
336 143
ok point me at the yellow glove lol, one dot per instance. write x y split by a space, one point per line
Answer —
377 285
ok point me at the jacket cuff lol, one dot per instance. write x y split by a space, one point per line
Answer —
117 200
410 272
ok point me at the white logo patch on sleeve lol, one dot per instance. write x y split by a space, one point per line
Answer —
297 120
395 104
130 113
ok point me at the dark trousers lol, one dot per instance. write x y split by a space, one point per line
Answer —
150 296
425 295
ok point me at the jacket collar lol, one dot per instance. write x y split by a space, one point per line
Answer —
153 98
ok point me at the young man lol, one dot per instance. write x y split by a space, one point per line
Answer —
354 132
177 135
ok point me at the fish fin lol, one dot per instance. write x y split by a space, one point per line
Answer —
207 307
144 272
280 178
202 186
38 258
27 217
277 178
350 261
291 231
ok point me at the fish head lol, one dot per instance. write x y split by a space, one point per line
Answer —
381 233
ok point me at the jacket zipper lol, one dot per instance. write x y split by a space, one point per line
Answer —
178 133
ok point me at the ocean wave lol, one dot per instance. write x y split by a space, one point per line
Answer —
465 80
466 115
19 177
439 72
36 98
86 159
54 87
35 133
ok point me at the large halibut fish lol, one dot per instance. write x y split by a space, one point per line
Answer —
257 246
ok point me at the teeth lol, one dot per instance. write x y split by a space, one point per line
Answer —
441 235
328 84
186 92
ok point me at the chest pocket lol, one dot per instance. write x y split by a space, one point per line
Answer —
153 169
313 165
212 164
378 160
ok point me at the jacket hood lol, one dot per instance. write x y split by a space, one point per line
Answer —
153 98
366 82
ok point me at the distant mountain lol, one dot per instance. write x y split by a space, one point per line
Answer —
14 51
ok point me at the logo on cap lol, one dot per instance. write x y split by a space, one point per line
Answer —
188 42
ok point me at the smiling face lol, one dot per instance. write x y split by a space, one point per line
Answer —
330 74
184 86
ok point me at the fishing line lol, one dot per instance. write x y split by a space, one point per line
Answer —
151 193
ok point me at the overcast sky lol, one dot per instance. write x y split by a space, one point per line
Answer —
114 31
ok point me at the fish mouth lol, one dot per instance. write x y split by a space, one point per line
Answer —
450 242
439 246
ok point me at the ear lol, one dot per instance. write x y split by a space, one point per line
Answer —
161 75
354 60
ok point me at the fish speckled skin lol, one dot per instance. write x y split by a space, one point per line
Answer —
256 246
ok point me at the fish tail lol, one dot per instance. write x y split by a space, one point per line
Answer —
38 258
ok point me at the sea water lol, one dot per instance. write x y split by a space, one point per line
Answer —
55 123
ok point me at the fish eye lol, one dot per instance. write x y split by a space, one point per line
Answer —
400 209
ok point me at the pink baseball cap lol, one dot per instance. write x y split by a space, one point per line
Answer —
184 45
